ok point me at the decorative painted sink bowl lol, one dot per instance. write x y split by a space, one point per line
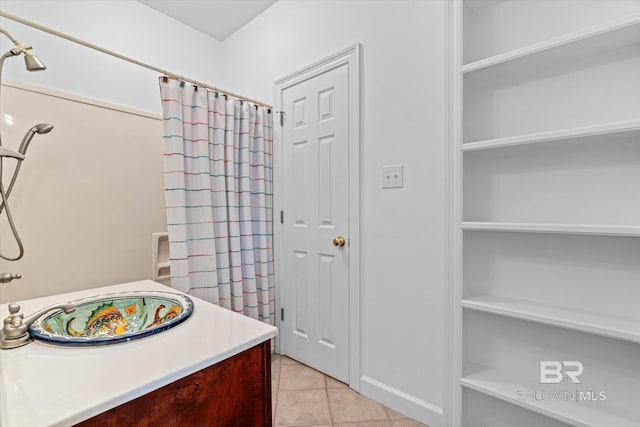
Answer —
113 318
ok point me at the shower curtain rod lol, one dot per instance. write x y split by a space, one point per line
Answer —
128 59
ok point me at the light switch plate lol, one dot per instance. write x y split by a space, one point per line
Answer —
393 176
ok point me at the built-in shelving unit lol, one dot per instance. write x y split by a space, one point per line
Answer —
546 184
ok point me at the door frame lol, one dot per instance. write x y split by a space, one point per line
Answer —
351 57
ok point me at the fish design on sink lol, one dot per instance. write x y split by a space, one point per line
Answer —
113 318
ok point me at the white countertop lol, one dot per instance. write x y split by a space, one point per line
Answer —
47 385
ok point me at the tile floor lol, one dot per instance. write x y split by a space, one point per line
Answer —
305 397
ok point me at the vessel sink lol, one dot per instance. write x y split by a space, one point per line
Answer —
113 318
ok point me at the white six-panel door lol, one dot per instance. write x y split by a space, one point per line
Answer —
315 202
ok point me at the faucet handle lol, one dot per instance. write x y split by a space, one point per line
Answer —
15 332
15 317
14 308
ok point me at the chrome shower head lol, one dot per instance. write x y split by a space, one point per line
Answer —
42 128
39 129
33 63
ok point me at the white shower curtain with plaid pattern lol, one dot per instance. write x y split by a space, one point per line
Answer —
218 188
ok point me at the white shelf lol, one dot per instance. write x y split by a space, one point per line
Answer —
629 128
599 230
584 321
506 387
604 34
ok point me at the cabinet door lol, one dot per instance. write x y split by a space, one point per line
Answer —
234 392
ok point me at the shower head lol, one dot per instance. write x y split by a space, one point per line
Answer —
42 128
39 129
31 61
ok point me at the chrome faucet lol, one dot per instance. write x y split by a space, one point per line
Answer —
15 331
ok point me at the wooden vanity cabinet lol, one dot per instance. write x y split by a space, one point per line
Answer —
233 392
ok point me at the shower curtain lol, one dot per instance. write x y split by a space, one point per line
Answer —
218 191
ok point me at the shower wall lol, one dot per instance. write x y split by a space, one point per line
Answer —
89 194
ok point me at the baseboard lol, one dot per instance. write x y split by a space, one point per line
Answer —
402 402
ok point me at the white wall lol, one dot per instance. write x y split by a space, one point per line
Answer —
125 26
403 107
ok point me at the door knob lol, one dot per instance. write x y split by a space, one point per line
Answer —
339 242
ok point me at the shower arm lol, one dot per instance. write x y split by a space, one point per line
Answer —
19 47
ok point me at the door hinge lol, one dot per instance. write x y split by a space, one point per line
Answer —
282 314
282 117
281 217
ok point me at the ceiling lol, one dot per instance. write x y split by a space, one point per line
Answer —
217 18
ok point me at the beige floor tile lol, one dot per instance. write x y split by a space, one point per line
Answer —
302 407
400 420
378 423
393 414
275 363
349 406
274 402
274 396
333 383
303 396
275 380
300 377
288 361
275 371
406 422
